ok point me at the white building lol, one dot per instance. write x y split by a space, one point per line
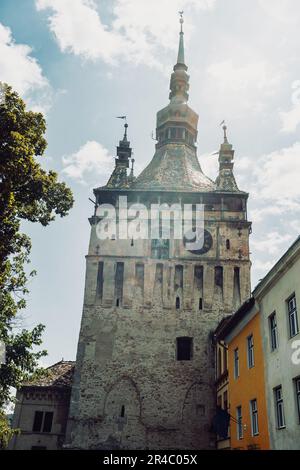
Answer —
278 296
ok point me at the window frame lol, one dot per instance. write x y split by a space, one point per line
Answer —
191 340
43 422
236 363
292 313
297 396
239 423
279 404
250 351
273 329
254 417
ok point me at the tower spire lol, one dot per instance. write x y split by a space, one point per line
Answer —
119 176
225 180
179 83
180 57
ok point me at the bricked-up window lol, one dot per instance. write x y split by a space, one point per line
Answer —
293 317
184 348
139 276
100 280
219 276
42 421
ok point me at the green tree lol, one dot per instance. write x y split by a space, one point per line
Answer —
27 192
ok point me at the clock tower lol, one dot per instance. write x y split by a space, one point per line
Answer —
144 374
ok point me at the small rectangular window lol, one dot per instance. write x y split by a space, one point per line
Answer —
184 349
250 351
100 280
273 331
38 420
239 424
293 316
279 407
236 364
119 278
254 417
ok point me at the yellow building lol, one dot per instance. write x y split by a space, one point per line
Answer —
246 386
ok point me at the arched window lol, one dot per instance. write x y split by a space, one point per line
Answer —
177 302
228 244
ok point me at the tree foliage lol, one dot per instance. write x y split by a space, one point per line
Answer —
27 192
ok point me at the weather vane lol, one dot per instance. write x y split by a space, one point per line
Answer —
122 117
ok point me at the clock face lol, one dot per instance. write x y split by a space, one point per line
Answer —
203 244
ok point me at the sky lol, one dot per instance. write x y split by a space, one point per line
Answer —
84 62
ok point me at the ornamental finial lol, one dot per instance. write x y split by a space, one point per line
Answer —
224 130
181 20
225 133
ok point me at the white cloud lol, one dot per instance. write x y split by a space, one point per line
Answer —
283 11
92 159
271 243
291 119
139 30
18 68
242 84
260 214
276 176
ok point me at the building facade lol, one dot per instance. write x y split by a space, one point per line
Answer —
246 383
41 410
222 380
144 376
278 296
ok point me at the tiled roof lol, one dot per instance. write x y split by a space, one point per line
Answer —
174 168
59 375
